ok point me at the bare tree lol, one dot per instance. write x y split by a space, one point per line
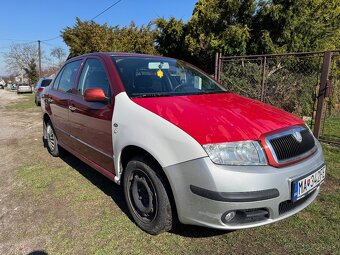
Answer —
20 56
59 54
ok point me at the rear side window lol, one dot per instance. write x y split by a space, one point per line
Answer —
93 75
68 76
57 79
45 83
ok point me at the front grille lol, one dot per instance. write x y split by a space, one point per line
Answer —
288 205
286 147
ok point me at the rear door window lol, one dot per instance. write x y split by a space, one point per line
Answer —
68 76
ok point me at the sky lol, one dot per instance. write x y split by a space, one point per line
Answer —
25 21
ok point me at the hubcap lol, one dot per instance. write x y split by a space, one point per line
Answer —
51 140
142 196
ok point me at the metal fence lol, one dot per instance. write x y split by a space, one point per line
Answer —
306 84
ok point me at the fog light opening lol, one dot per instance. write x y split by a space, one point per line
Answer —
229 216
245 216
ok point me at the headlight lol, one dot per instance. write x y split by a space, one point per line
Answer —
236 153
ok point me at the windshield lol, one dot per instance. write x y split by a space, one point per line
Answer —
152 77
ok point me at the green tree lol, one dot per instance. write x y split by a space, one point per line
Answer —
240 27
31 72
216 25
296 26
136 39
89 36
170 38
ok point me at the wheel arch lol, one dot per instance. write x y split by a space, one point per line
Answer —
46 119
132 151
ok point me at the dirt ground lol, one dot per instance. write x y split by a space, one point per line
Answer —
17 129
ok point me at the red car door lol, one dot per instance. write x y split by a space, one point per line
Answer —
90 122
58 100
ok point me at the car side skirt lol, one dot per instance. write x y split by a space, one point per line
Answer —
95 166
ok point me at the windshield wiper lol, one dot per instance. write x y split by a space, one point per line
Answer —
212 92
169 94
150 95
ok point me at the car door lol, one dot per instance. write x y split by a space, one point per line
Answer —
90 122
58 100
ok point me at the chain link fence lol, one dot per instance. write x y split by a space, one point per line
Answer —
288 81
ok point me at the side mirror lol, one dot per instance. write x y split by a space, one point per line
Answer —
95 95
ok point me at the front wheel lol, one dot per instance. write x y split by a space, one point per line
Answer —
147 197
51 139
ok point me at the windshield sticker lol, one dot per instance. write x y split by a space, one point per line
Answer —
160 73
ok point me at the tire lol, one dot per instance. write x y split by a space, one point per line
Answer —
36 102
51 140
147 197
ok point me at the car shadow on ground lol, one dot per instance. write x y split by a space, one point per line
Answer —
38 252
104 184
116 193
196 231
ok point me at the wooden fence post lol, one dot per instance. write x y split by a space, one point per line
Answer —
322 92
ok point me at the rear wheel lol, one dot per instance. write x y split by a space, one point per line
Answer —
146 196
51 139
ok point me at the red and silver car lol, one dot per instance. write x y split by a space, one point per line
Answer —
181 145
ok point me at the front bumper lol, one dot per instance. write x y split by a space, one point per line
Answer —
204 192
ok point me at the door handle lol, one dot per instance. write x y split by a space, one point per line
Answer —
72 108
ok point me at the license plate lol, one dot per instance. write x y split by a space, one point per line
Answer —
307 184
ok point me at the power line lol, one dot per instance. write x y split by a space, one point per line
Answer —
28 42
51 45
56 37
50 39
18 40
108 8
7 47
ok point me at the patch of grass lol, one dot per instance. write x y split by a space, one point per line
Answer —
27 102
331 128
332 157
86 214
